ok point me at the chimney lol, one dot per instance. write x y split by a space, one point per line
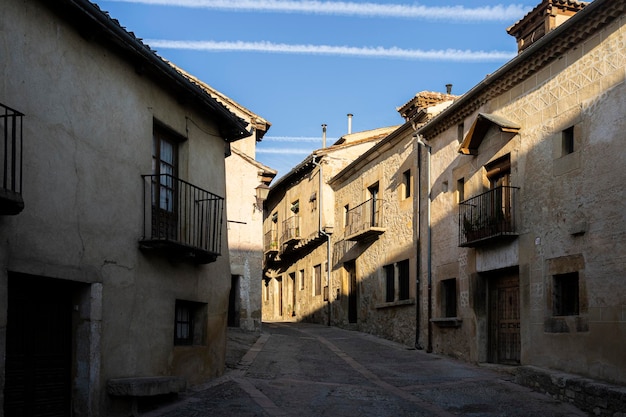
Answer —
323 135
350 123
448 88
542 19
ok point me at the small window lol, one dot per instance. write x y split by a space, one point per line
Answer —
406 184
390 283
567 140
459 132
460 190
301 279
317 280
374 205
275 218
403 280
295 207
448 297
565 295
190 320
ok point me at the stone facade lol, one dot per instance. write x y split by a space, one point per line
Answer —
298 225
97 257
527 234
375 244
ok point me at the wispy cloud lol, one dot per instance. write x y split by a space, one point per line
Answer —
456 55
407 11
283 151
307 139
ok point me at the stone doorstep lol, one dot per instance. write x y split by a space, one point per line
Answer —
145 386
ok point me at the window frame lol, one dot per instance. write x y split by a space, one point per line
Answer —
189 330
566 295
449 299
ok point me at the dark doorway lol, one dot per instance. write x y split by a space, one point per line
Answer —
350 268
280 296
292 280
38 347
234 302
504 318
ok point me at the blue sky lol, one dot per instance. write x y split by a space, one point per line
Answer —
301 63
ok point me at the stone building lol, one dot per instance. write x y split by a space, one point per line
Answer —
247 185
298 225
114 264
527 233
374 263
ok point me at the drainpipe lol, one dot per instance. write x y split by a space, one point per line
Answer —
429 349
319 224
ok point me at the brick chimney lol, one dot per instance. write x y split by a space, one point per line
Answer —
542 19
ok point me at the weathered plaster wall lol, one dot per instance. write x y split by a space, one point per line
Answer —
87 141
245 228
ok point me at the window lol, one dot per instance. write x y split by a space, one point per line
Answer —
403 280
346 210
301 279
295 207
459 132
317 280
565 297
397 276
164 170
567 141
390 283
406 184
374 205
189 323
448 297
460 190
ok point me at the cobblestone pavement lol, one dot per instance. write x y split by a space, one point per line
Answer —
297 369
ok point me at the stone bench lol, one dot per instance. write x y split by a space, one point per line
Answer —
147 386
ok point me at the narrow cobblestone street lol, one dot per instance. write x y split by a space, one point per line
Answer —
297 369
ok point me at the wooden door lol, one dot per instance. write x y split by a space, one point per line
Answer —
504 319
350 268
38 348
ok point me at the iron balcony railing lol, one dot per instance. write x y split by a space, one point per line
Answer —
11 201
488 216
364 219
181 219
270 243
291 230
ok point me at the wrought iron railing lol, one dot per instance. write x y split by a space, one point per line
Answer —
488 215
364 217
291 230
182 217
270 243
11 201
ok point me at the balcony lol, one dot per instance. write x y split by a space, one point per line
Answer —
181 221
11 201
270 242
364 220
488 217
291 231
